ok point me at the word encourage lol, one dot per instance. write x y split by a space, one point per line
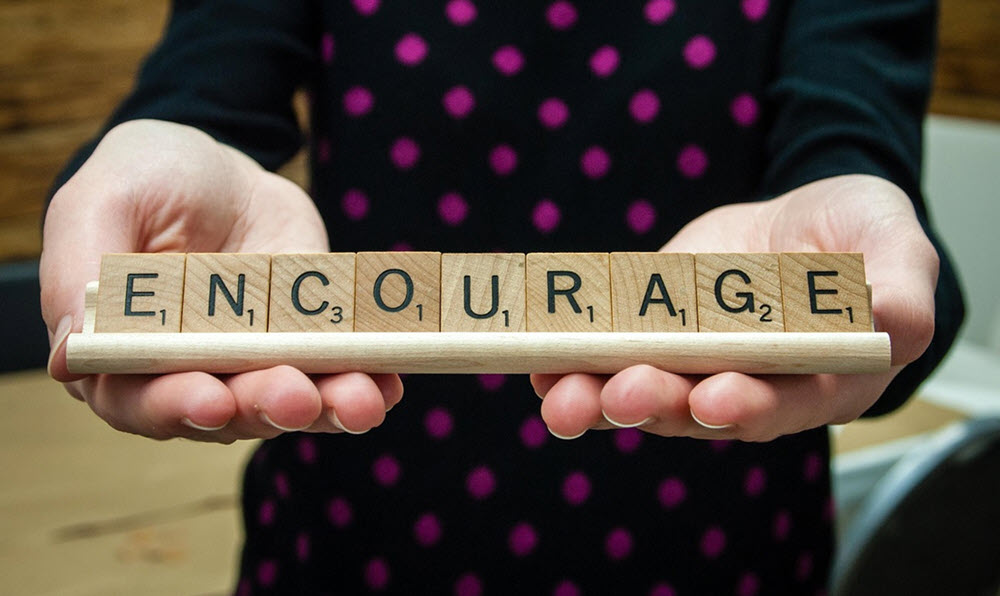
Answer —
482 293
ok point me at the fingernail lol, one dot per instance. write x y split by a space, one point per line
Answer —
62 332
710 426
267 419
558 436
336 422
625 425
187 422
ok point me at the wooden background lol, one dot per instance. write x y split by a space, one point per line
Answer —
66 63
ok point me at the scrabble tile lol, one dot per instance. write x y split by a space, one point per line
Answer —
825 292
653 292
398 291
482 292
312 292
739 292
568 292
140 293
226 292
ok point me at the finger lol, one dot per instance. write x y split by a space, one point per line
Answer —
352 402
273 400
763 408
573 405
543 383
655 400
391 387
160 407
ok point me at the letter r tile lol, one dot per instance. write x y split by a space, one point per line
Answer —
568 292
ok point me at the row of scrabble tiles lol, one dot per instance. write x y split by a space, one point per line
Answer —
431 291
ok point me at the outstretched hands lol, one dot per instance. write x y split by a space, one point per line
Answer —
155 186
843 214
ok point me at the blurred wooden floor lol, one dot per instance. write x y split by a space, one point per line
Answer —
85 510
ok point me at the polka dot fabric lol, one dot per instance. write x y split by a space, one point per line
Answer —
567 125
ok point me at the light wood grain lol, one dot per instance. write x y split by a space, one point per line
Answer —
834 299
398 291
568 292
131 299
663 282
321 284
739 292
501 273
212 279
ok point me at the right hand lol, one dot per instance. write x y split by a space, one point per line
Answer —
155 186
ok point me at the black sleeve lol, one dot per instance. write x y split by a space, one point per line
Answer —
229 68
850 96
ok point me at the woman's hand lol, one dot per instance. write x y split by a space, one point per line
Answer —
844 214
161 187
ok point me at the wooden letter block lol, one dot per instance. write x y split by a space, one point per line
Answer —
739 292
482 292
226 292
140 293
825 292
398 291
653 292
568 292
313 292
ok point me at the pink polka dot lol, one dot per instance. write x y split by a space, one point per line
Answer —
658 11
354 204
401 246
458 101
663 589
713 542
377 574
553 113
508 60
411 49
627 440
604 61
699 52
755 481
782 525
245 588
281 485
427 530
566 588
358 101
366 7
533 432
460 12
671 492
618 544
439 423
522 540
481 482
302 546
386 470
339 512
749 585
804 566
561 15
644 106
323 150
545 216
469 585
326 47
812 467
266 514
576 488
307 450
754 10
452 209
595 162
692 161
744 109
267 572
503 160
404 153
719 445
640 216
491 382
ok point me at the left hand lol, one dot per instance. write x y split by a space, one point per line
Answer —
843 214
